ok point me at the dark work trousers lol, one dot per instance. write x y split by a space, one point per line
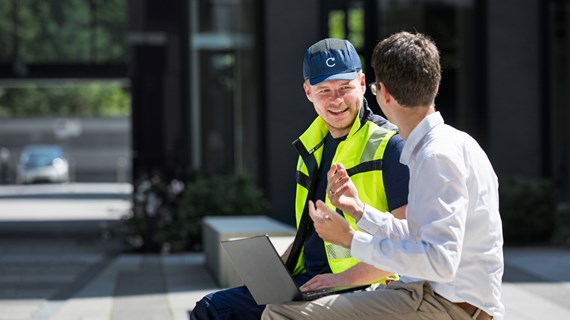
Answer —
233 303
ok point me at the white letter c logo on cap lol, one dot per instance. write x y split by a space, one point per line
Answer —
329 63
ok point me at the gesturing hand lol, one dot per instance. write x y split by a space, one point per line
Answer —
330 225
342 191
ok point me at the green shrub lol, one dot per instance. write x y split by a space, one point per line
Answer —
167 215
151 225
528 210
218 195
562 234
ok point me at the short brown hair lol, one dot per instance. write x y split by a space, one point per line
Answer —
408 65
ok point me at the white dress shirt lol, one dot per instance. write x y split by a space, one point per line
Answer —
453 233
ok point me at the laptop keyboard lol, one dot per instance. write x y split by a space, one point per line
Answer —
310 295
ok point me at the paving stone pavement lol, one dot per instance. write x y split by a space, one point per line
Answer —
63 279
66 280
84 276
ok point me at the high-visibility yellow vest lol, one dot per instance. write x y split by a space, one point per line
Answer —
361 153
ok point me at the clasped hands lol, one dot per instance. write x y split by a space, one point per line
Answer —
342 193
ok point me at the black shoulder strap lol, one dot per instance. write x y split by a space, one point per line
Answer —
306 223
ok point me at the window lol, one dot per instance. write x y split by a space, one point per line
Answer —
451 24
224 86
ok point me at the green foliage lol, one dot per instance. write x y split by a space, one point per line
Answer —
219 195
6 42
562 234
336 24
167 215
528 210
94 99
152 224
356 27
353 20
63 30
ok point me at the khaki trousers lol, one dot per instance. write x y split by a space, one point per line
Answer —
397 301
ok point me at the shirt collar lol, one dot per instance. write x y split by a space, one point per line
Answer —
417 135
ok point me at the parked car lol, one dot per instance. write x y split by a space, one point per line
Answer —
42 163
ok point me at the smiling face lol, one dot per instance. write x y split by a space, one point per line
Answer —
337 102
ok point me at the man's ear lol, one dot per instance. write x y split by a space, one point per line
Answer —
385 93
363 82
308 91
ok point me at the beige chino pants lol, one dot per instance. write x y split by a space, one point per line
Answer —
398 301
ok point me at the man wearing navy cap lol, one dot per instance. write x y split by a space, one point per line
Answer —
345 134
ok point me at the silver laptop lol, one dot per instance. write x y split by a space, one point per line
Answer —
263 272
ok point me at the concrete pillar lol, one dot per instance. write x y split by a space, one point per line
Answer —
158 48
291 27
514 87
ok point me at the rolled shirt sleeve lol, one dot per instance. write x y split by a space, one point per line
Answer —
428 244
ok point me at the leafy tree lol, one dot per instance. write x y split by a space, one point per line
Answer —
93 99
6 30
63 30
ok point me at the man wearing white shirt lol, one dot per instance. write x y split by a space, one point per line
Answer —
450 246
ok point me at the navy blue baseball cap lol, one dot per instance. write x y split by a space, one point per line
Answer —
331 59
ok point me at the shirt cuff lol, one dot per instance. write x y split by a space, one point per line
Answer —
372 219
362 246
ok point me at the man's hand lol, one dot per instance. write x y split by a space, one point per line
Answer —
330 225
342 192
360 273
325 280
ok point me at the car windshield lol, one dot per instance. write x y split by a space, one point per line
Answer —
41 158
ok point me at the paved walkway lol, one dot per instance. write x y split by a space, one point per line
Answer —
62 279
536 284
65 281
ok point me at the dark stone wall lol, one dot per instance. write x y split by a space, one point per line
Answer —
514 85
291 27
158 55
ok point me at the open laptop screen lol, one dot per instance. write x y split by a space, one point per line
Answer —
263 272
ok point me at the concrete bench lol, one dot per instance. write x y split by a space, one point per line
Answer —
220 228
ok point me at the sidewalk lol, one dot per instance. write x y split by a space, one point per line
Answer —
81 279
138 287
536 284
132 286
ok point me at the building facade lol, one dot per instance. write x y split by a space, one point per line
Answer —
216 85
222 92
